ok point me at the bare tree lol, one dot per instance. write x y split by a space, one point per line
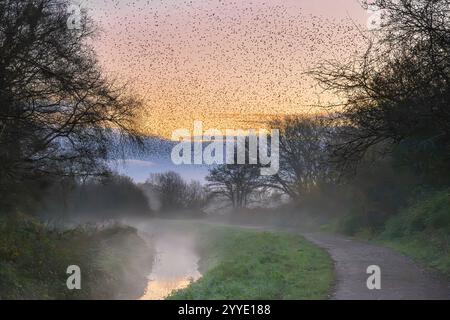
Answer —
398 92
235 182
171 190
175 194
304 155
58 113
197 196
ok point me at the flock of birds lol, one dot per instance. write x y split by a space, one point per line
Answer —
229 63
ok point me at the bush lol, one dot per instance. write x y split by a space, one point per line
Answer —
350 224
429 215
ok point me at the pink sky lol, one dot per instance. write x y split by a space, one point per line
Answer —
211 60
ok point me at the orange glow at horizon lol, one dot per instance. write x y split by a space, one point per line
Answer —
229 64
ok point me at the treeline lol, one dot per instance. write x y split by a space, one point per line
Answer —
116 197
173 197
110 197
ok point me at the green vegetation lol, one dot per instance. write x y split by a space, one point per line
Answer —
422 231
34 259
242 264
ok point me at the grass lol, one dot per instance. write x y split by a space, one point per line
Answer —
114 261
422 251
250 265
422 231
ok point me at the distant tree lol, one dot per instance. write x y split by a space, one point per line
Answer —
235 182
94 199
243 181
175 194
304 155
58 114
197 196
171 190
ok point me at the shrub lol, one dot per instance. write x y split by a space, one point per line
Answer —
429 215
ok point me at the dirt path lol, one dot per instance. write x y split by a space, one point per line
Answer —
401 278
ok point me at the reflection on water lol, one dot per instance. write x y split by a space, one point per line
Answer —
176 266
160 289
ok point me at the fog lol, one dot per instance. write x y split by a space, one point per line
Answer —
176 261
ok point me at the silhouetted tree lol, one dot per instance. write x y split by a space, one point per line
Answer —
397 95
304 155
235 182
58 114
175 194
94 199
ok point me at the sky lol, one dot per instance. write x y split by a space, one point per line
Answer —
141 170
232 64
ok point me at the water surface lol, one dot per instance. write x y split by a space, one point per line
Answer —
176 263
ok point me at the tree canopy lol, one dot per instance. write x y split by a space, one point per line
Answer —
59 115
397 93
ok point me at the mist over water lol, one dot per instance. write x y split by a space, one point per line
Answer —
176 261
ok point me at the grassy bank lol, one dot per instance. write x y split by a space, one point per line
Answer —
422 231
242 264
34 258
